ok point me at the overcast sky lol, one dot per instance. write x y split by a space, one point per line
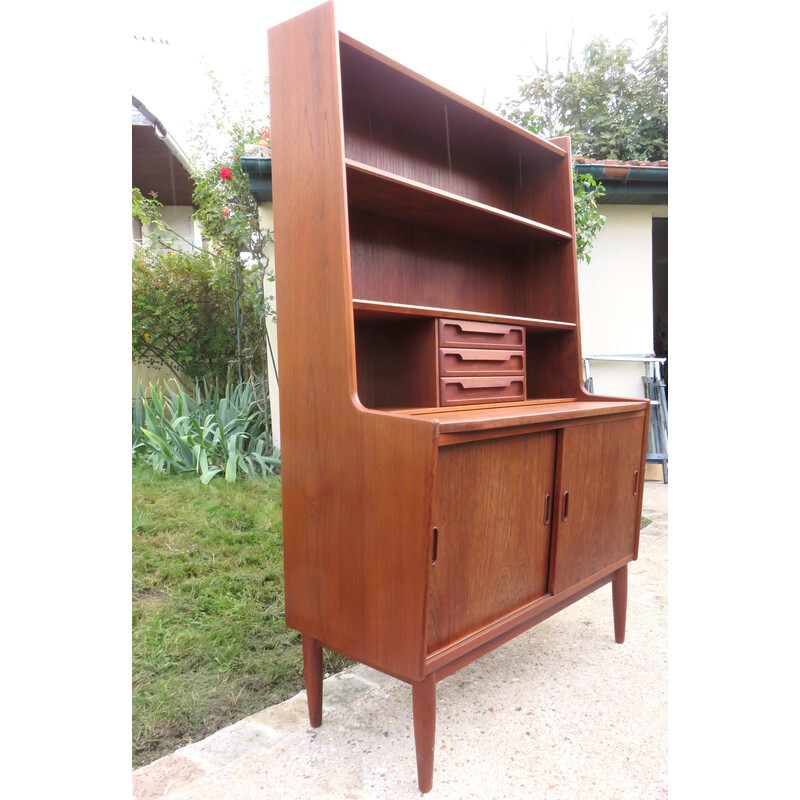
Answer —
475 49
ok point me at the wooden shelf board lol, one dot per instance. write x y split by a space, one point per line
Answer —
488 417
374 308
380 192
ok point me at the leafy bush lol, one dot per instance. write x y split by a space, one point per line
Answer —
204 432
184 312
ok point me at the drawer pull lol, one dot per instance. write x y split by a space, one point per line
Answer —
492 328
472 333
564 507
467 361
466 390
548 508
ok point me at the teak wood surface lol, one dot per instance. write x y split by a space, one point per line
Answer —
425 255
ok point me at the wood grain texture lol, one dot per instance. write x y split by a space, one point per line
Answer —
312 672
423 700
619 595
377 308
417 537
382 192
494 543
396 362
354 558
470 361
595 520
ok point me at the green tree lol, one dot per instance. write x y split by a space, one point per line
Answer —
233 260
181 311
610 104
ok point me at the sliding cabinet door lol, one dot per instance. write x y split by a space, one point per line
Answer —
492 518
597 519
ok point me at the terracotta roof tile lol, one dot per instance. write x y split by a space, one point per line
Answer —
614 162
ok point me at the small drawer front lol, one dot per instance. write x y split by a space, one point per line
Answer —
466 390
469 333
487 361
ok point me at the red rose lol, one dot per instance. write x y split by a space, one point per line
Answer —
225 173
226 212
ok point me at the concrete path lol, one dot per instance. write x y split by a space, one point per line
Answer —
559 713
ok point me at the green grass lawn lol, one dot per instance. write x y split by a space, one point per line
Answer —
209 642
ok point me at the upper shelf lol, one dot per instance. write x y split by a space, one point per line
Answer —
373 80
380 192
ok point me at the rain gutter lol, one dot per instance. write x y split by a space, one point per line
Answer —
628 178
259 173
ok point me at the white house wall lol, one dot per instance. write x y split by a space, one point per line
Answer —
267 223
616 297
179 218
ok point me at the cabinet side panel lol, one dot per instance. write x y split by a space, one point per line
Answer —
493 543
356 486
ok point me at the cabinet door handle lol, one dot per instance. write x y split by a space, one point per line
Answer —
636 483
435 545
564 507
548 508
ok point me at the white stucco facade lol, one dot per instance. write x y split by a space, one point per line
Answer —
616 297
179 219
267 223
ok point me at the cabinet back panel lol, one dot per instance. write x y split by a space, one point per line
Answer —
411 128
433 161
546 284
396 262
553 365
396 362
493 537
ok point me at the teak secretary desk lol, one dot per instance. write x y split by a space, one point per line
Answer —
447 481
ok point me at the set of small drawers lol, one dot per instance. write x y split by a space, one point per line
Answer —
480 362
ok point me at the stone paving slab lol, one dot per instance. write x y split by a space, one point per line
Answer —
560 713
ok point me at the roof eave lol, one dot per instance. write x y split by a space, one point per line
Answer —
629 183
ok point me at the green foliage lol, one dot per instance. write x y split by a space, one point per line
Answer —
588 220
209 642
611 105
198 312
204 432
184 312
146 209
210 645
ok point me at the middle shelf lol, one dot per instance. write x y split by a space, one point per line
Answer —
380 192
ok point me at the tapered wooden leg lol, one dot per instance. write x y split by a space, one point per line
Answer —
424 697
312 667
619 596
